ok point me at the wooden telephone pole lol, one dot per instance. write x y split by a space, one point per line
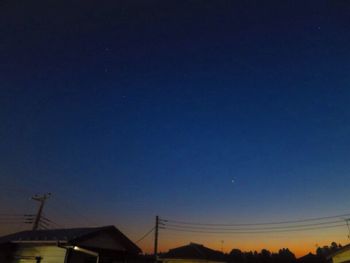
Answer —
42 200
156 239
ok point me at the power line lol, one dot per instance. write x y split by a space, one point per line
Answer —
15 216
11 222
260 228
41 226
145 235
12 215
12 219
51 222
254 224
252 228
250 232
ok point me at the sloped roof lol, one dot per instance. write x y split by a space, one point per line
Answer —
70 236
194 251
309 258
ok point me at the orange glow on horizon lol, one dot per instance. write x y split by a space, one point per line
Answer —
300 244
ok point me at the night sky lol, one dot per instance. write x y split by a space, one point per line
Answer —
209 111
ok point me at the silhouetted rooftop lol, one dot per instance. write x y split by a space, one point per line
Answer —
194 251
309 258
69 235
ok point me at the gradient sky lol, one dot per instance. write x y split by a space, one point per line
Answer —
128 109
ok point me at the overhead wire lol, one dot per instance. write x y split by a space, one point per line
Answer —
51 222
13 218
255 224
255 228
145 235
250 232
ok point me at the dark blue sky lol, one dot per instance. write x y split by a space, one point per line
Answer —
128 109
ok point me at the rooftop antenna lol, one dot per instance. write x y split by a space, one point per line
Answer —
41 199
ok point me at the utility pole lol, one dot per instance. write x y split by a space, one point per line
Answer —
42 200
156 239
347 224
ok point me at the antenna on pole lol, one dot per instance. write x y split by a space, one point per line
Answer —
41 199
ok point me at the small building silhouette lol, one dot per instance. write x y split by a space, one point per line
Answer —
192 253
309 258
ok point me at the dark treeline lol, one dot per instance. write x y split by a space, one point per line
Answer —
284 255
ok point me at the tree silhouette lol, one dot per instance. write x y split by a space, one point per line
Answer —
236 255
324 252
284 255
